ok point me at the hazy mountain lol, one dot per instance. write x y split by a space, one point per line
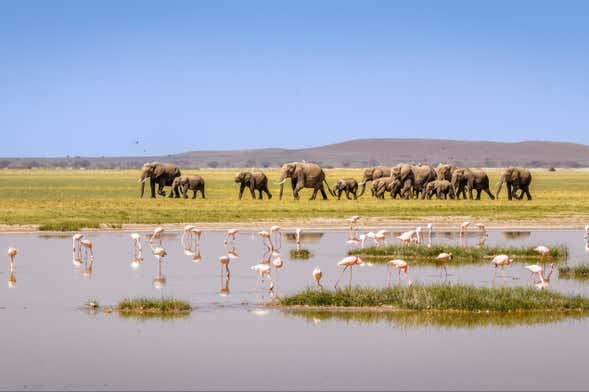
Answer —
354 153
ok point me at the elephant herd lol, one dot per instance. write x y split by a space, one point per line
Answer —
406 181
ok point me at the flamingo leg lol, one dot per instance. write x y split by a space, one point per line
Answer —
350 284
338 279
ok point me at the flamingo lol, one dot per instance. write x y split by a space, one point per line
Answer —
298 238
278 262
157 233
186 242
444 258
545 279
417 235
317 275
381 235
543 251
402 267
535 270
230 235
77 247
349 262
464 227
160 253
430 226
266 238
353 221
11 278
372 236
501 261
136 245
224 261
275 232
406 237
263 270
88 248
481 227
11 255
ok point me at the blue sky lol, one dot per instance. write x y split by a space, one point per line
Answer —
148 77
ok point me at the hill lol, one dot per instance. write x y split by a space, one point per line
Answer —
354 153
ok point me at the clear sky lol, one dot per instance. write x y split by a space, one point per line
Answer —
157 77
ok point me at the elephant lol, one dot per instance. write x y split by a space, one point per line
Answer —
404 174
192 183
373 173
255 180
516 178
386 184
304 175
159 173
472 179
422 175
444 171
348 185
443 189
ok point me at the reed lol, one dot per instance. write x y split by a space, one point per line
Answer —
579 272
145 305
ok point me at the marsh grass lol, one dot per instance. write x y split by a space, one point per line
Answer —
442 297
579 272
466 255
153 306
71 199
450 320
301 254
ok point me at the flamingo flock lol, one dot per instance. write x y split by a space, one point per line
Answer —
272 262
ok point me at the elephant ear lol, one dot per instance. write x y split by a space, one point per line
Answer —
514 175
248 177
158 170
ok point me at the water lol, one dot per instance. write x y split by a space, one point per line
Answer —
51 342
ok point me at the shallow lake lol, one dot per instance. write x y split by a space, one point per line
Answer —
51 341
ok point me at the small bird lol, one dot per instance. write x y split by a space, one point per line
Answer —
230 235
402 267
317 275
543 251
157 232
11 255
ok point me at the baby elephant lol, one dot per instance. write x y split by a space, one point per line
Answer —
348 185
443 189
254 181
186 183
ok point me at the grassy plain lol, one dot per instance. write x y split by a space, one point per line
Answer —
71 199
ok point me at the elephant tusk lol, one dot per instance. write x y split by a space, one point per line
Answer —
281 182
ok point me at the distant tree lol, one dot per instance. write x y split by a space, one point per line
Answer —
346 164
213 164
250 163
81 163
373 162
32 164
266 164
4 164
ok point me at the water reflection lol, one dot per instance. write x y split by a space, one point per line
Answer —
451 320
12 277
516 235
159 282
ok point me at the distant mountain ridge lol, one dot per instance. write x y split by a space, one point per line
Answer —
353 153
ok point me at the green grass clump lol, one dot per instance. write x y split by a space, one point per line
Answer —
460 254
453 320
68 225
153 305
300 254
441 297
112 196
580 272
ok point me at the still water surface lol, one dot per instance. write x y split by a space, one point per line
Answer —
51 342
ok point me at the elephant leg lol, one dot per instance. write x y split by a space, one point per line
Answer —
185 191
348 194
488 191
194 194
527 190
296 189
260 194
406 191
509 192
176 192
314 195
323 194
339 194
152 187
354 193
478 194
252 191
241 189
202 191
267 192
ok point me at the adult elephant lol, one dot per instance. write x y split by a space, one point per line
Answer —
471 179
386 184
373 173
162 174
444 171
403 173
304 175
516 178
422 175
254 181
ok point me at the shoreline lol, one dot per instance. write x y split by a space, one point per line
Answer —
326 224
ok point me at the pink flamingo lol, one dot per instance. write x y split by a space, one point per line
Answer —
224 261
535 270
464 227
230 236
349 262
402 267
298 238
543 251
136 245
406 237
266 238
501 261
317 275
482 228
88 248
275 232
444 258
157 233
263 270
77 247
12 255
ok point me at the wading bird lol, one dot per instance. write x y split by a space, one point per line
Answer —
266 239
464 227
586 231
444 258
298 238
543 251
349 262
191 237
275 232
277 262
317 275
224 261
482 228
157 233
136 245
77 248
406 237
88 249
545 281
535 270
417 236
160 253
263 270
12 255
230 236
402 267
501 261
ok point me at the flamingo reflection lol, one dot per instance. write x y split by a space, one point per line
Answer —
137 251
276 237
12 276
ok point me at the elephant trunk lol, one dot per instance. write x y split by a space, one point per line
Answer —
500 184
281 182
142 180
363 184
